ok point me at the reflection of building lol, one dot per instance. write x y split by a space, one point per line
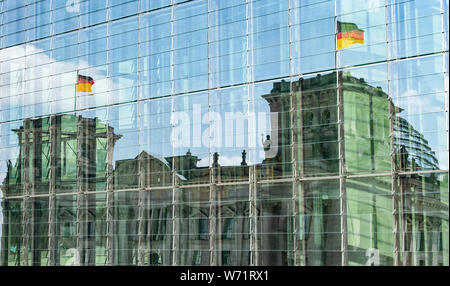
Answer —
318 109
154 210
366 129
415 154
355 171
61 154
56 142
369 225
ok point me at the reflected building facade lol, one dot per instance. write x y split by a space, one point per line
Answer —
223 133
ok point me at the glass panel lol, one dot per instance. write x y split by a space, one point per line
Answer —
95 226
312 36
424 218
153 4
66 231
229 133
194 210
271 108
366 120
275 224
155 57
123 120
38 20
158 227
233 226
316 100
122 56
10 163
94 148
39 231
12 248
270 38
228 43
155 142
361 32
125 228
65 18
93 12
321 223
39 159
68 154
122 8
370 221
417 86
190 57
415 28
190 138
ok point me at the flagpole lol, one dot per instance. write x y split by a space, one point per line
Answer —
341 151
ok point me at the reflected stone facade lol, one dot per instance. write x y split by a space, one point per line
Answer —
223 133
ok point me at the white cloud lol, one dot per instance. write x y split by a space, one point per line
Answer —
230 161
204 162
43 81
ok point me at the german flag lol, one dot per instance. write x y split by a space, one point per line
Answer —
348 34
84 83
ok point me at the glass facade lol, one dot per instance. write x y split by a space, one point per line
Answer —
224 132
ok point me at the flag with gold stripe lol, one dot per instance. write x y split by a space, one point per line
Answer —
84 83
348 34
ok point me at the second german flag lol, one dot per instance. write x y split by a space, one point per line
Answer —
84 83
348 34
